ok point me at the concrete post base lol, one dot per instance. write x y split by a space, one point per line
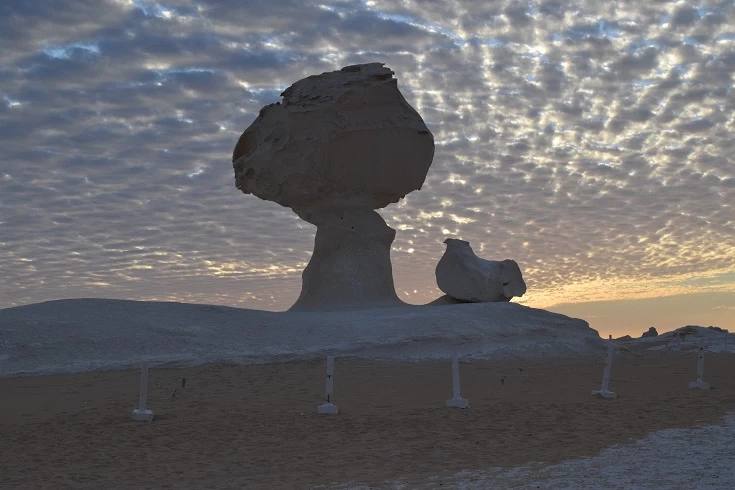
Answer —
142 416
458 402
327 409
605 394
699 384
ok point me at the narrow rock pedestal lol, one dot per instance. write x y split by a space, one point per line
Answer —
350 267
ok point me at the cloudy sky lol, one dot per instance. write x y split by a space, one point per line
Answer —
590 141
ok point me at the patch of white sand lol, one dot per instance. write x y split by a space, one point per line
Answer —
698 458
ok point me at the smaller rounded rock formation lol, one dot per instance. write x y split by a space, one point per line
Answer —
465 277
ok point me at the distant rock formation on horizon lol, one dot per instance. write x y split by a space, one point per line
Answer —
340 145
694 329
651 332
718 329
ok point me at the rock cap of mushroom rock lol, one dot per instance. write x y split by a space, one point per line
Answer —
464 276
345 138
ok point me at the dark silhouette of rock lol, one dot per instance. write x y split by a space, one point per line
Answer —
650 333
718 329
688 330
445 300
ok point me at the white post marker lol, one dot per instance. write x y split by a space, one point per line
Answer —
329 408
457 401
141 414
604 391
700 384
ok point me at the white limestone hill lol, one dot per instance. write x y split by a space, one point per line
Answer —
77 335
688 338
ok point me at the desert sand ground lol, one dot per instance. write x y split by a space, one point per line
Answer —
256 427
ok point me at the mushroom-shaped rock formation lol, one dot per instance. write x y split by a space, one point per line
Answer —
339 146
464 276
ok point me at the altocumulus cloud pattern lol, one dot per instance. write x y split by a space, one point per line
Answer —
590 141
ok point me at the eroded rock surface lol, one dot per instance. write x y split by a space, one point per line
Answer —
339 145
466 277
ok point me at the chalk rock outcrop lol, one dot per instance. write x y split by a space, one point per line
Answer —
464 276
651 332
340 145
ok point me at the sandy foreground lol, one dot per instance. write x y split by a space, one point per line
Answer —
256 427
